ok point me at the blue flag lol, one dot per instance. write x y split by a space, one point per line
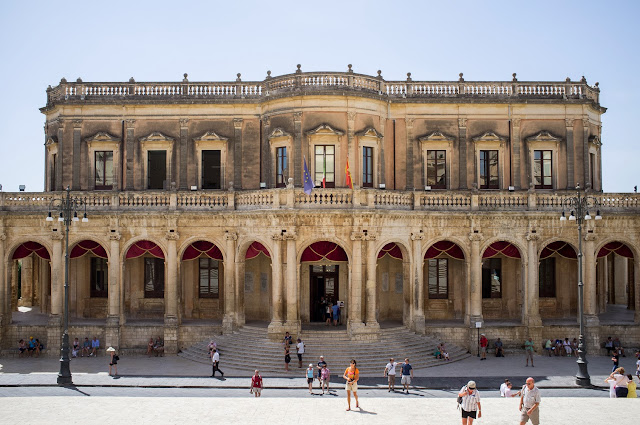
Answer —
308 183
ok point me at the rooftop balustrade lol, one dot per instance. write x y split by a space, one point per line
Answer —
317 82
319 199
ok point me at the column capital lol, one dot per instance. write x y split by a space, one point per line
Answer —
290 237
297 116
351 116
237 123
417 236
462 122
266 121
77 124
57 236
476 237
230 236
590 237
516 122
409 122
370 237
585 122
130 123
277 237
533 237
568 122
357 236
115 236
184 122
172 236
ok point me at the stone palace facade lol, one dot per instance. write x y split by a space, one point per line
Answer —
199 222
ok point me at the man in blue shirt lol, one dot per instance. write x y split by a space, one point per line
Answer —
336 314
95 344
407 375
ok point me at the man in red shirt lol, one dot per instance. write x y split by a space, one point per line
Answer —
483 347
256 384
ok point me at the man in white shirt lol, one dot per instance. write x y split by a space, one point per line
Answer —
529 402
300 352
504 387
390 371
470 403
215 359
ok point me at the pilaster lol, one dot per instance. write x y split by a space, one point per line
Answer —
571 160
516 148
531 314
228 322
276 327
183 157
462 152
292 324
130 155
381 166
476 279
352 151
418 283
5 314
268 173
171 319
585 154
589 270
77 154
410 157
237 153
297 149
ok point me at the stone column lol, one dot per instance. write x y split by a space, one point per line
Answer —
410 157
77 154
589 273
571 183
354 309
585 154
229 283
636 286
371 285
297 149
240 276
171 320
381 167
112 330
531 315
293 321
516 147
268 175
26 282
237 153
61 163
476 279
418 283
462 153
128 183
352 151
183 156
276 329
54 325
5 315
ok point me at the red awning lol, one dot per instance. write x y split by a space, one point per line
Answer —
200 248
501 247
324 250
617 247
81 248
561 248
444 247
255 249
141 248
27 248
392 250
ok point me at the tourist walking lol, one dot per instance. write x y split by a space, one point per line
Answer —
256 384
469 399
325 377
321 363
215 361
483 347
351 375
113 363
528 351
621 382
407 375
287 357
529 403
300 351
310 377
390 372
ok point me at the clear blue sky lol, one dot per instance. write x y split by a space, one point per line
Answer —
42 41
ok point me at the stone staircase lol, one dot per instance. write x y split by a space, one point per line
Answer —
249 348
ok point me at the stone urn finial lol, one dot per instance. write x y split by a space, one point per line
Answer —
131 80
379 74
238 75
568 80
409 76
461 79
350 70
186 80
299 70
79 80
268 74
514 77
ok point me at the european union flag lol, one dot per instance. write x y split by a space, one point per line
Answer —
308 183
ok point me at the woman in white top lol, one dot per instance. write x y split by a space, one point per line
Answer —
621 382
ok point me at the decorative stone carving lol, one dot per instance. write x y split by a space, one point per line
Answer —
278 132
172 236
102 137
595 141
475 237
516 122
3 237
237 123
533 237
417 236
210 136
544 136
462 122
114 236
369 132
585 122
325 129
289 236
156 136
568 122
489 136
357 236
184 122
409 122
77 124
230 236
589 237
130 124
266 121
436 136
351 116
297 116
57 235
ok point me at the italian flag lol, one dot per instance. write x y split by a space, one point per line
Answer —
324 174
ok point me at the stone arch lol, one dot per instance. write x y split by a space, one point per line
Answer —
28 279
187 243
617 279
445 301
458 241
132 241
308 242
503 275
557 271
254 296
393 301
88 278
144 280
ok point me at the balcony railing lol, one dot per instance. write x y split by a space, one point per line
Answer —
310 82
320 199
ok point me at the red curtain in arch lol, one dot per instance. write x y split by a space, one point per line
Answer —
141 248
199 248
85 246
444 247
256 249
501 247
27 248
324 250
561 248
617 247
392 250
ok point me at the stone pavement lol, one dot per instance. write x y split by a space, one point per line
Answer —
173 371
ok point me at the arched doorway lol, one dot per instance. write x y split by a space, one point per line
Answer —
257 283
202 273
324 265
392 271
502 281
445 277
558 280
615 274
144 281
88 280
29 275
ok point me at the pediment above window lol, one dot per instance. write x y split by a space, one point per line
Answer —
277 133
544 136
436 136
325 129
489 136
102 137
369 132
210 136
156 136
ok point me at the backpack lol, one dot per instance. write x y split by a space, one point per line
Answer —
460 398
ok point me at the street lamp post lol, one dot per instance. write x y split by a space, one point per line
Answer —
580 204
67 208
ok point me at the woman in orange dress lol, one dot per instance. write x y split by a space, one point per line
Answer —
351 375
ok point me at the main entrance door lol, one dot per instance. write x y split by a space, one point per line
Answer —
324 288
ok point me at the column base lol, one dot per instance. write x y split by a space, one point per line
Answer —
276 330
112 332
240 319
294 329
359 331
591 320
418 325
171 335
533 321
228 324
54 336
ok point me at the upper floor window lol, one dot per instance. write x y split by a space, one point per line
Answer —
489 169
367 166
542 169
153 277
281 166
436 169
98 279
492 278
211 169
209 283
156 169
325 165
438 278
547 278
104 170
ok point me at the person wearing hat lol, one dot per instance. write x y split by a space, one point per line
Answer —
310 377
113 363
470 403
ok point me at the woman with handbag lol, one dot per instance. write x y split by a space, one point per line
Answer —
114 360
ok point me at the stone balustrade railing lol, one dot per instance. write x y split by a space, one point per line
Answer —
319 199
309 82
